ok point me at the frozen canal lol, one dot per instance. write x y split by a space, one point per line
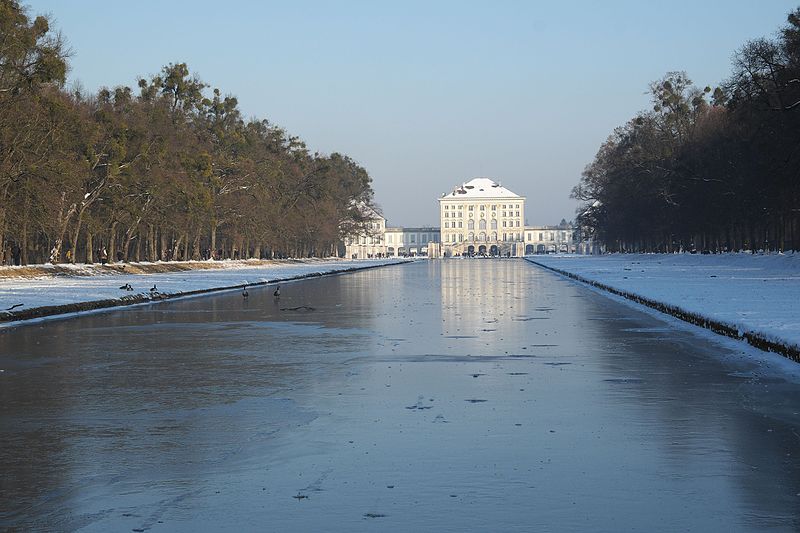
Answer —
459 395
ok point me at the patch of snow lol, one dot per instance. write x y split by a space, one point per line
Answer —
755 293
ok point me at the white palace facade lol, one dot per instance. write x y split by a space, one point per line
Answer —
479 217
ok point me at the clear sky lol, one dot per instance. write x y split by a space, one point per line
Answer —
426 94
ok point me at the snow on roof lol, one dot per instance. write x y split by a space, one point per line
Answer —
480 188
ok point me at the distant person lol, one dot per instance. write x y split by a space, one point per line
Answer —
103 256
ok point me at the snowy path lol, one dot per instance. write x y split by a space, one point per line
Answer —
21 295
758 294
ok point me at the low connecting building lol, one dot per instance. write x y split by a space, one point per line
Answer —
376 241
479 217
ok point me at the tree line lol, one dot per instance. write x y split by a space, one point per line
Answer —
705 170
168 170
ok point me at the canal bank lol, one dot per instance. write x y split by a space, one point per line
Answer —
45 292
742 296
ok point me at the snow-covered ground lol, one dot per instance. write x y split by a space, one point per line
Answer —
23 294
752 293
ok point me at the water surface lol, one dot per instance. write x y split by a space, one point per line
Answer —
483 395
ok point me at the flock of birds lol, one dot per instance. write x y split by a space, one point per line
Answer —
154 290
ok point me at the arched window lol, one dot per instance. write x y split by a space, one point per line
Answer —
494 235
471 236
494 223
470 225
482 236
482 224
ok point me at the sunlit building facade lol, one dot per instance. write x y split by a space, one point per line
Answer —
376 241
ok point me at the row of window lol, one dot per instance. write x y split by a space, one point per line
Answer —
482 224
494 207
481 237
459 214
412 237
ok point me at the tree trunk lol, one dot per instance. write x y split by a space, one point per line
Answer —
196 247
112 243
89 247
128 239
152 254
164 252
213 238
24 236
63 222
140 243
75 237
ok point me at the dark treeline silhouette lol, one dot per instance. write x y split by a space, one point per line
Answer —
706 170
168 170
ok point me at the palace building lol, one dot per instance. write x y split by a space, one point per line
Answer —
479 217
482 217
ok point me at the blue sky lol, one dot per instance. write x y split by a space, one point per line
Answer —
426 95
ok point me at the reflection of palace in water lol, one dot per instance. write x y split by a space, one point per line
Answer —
485 299
479 217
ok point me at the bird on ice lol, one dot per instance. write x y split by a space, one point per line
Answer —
277 293
245 294
126 287
154 288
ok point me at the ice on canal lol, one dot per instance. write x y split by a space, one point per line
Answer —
455 395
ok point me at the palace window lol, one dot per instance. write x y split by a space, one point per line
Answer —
494 223
446 225
470 224
472 208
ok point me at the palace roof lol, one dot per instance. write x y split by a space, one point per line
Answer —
480 188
